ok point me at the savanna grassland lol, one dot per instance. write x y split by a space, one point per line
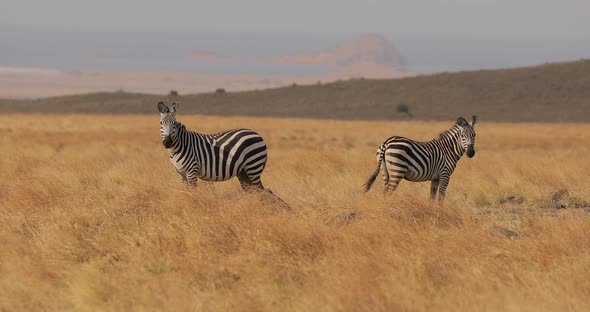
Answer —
94 218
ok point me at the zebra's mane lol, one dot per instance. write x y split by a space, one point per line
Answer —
181 126
450 133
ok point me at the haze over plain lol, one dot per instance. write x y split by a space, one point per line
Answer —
66 47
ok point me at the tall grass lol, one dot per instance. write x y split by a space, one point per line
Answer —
94 218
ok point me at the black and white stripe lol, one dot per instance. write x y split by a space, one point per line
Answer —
212 157
401 158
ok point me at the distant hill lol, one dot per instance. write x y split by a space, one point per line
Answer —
556 92
366 48
367 55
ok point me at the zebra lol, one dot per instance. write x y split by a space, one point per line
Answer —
401 158
212 157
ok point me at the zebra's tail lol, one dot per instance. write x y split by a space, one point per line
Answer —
372 178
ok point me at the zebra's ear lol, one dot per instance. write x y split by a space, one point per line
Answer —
162 108
174 108
473 120
461 122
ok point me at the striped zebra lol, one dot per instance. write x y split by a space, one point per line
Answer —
212 157
401 158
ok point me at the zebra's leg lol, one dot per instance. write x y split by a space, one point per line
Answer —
433 188
182 178
192 181
392 185
394 176
250 181
444 182
385 176
253 176
192 177
245 182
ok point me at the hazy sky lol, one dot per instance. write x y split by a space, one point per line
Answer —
452 17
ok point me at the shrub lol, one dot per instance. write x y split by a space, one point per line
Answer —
404 108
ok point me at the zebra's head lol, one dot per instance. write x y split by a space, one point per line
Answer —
467 134
168 124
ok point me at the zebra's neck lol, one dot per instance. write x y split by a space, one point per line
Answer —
451 139
177 141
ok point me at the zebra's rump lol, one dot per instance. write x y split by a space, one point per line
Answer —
231 152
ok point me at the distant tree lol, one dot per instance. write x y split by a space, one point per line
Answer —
220 91
173 93
404 108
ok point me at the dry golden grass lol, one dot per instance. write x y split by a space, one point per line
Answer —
94 218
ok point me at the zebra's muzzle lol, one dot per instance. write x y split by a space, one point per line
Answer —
470 151
167 141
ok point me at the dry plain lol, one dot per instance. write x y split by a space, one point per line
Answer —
94 218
